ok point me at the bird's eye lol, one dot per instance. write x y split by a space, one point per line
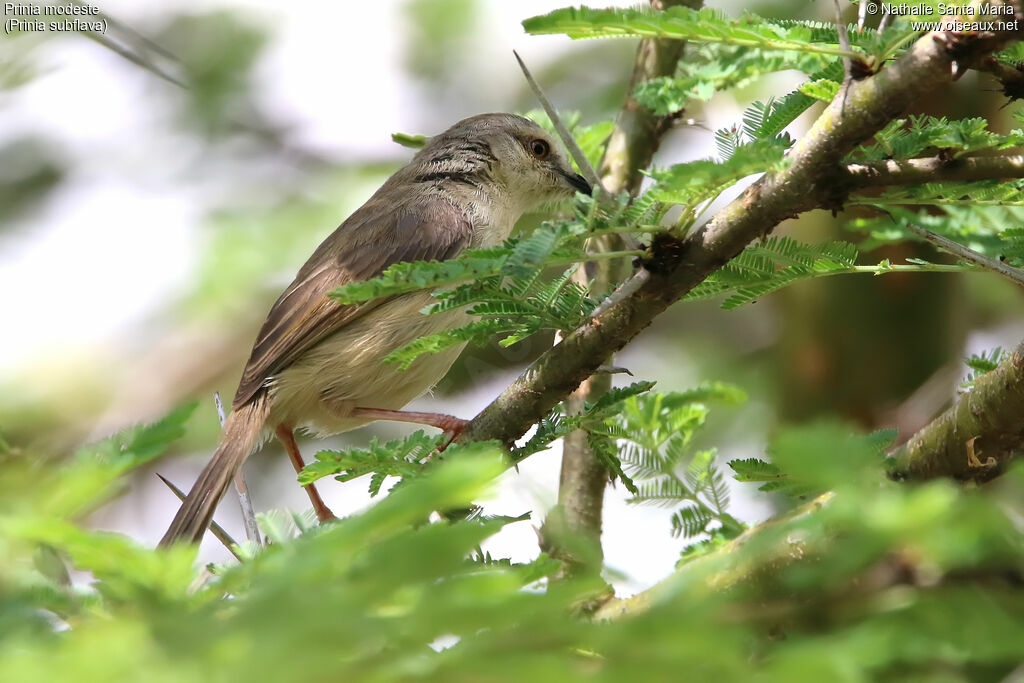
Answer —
540 148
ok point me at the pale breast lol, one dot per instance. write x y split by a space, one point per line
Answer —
347 370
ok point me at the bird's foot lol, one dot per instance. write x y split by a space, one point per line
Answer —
452 426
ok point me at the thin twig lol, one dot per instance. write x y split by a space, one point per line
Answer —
570 143
220 408
218 531
134 58
934 170
844 37
127 30
884 23
252 528
960 251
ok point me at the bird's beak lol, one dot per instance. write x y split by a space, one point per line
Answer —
578 182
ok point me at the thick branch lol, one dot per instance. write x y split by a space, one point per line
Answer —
676 266
975 436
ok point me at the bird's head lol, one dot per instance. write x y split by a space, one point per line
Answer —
512 152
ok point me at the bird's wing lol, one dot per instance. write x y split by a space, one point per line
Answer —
376 236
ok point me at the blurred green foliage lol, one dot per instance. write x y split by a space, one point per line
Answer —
438 35
217 53
876 581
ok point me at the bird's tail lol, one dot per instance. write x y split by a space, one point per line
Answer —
238 440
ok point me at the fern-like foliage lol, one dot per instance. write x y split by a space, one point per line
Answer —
654 432
977 214
785 110
714 68
594 420
822 89
698 26
516 306
399 458
697 181
403 459
1012 240
771 478
1013 54
928 135
411 457
772 264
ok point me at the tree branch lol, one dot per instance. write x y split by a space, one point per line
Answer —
976 436
1014 275
1011 78
677 266
935 170
572 531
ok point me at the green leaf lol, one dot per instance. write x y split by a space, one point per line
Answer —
977 218
709 69
696 181
822 89
139 445
682 23
664 491
754 469
771 265
690 521
982 364
926 135
616 395
411 141
398 458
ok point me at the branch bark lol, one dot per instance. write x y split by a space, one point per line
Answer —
977 435
935 170
633 142
677 266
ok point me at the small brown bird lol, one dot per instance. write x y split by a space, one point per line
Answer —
318 364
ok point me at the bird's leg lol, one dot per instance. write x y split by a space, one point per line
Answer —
287 438
449 424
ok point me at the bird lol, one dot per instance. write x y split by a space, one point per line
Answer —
317 364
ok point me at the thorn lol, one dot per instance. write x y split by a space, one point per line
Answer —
570 143
218 531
